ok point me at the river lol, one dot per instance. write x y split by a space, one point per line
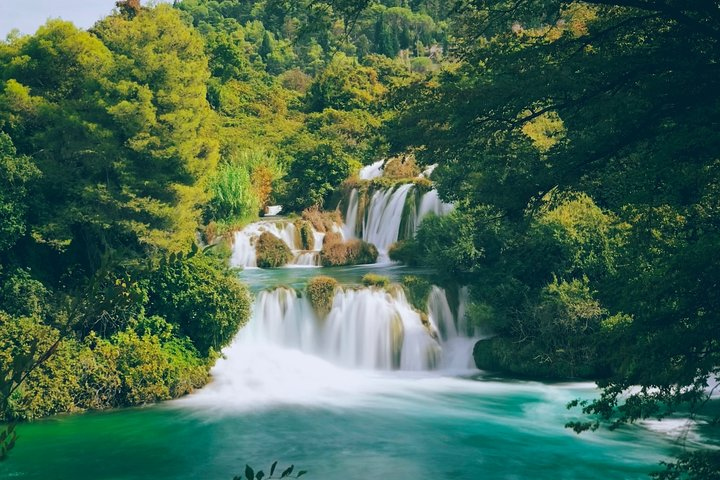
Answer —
370 391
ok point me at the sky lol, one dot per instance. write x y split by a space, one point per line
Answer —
28 15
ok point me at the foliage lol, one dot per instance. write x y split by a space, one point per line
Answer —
344 85
250 474
314 175
405 251
401 167
375 280
306 233
702 465
321 292
271 252
205 300
322 221
15 173
596 201
232 196
417 290
558 336
351 252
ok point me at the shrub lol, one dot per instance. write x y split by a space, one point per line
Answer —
323 221
401 167
271 251
313 174
321 292
202 297
352 252
22 296
374 280
417 290
306 233
48 388
565 321
405 251
232 196
332 238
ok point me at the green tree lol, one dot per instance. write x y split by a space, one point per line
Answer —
205 300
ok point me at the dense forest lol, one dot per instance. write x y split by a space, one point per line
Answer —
577 140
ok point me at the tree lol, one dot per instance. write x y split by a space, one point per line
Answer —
602 97
15 174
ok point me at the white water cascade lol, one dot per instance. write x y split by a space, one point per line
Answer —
367 328
390 214
287 353
244 252
371 171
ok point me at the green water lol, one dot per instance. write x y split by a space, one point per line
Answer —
482 429
297 277
338 424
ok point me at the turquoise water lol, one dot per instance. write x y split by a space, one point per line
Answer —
296 277
274 403
427 428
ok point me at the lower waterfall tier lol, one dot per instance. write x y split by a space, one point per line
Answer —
367 328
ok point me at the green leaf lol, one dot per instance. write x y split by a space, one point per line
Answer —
249 473
301 473
259 475
272 468
288 471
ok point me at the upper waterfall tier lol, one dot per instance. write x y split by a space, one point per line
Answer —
371 171
367 328
245 254
383 216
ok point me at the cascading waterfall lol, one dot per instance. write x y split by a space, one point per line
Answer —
371 171
244 252
367 328
384 216
390 214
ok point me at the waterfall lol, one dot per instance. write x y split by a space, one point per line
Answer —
431 203
244 252
384 216
367 328
391 214
371 171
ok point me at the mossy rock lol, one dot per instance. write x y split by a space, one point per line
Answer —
332 238
306 234
322 221
375 280
352 252
403 166
271 252
417 290
321 292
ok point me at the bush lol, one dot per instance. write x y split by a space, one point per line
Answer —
314 172
23 296
405 251
321 292
417 290
232 196
271 251
49 388
306 233
322 221
565 323
202 297
374 280
401 167
352 252
331 238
